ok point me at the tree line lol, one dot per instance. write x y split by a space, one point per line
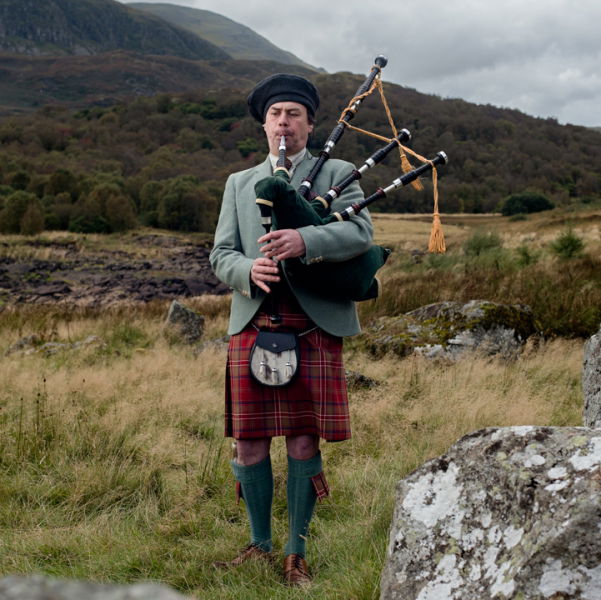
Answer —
162 161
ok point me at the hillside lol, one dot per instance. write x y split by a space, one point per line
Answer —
151 153
88 27
237 40
28 82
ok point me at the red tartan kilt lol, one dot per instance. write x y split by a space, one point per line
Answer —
314 403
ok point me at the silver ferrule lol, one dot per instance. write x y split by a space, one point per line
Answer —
397 183
306 184
329 145
368 164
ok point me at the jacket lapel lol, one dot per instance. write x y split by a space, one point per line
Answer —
302 170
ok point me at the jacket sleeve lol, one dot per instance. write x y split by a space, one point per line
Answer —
339 241
227 259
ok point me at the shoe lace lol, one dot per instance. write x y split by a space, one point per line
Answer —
297 563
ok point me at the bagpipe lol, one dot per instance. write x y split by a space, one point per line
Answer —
283 207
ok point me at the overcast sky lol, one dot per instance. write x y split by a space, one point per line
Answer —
541 57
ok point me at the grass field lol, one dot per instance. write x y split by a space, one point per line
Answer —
112 462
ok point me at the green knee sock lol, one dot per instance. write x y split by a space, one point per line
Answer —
301 501
257 490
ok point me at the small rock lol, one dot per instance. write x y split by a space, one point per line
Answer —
356 381
183 325
26 343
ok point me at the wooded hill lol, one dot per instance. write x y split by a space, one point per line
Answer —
164 159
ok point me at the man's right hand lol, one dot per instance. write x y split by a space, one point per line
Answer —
264 271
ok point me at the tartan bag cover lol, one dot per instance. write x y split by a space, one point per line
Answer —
314 403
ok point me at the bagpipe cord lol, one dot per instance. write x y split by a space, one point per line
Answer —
436 243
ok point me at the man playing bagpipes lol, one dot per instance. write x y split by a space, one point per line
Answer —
285 375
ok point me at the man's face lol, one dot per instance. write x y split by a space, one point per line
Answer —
289 119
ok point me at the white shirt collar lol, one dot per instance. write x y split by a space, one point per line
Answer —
295 159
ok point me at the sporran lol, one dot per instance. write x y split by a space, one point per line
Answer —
274 358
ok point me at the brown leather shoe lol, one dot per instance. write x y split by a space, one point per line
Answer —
250 552
296 571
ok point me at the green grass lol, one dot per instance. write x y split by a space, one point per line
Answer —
112 462
564 293
114 468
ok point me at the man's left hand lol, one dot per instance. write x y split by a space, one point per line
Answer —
282 244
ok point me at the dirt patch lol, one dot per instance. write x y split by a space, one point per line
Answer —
44 271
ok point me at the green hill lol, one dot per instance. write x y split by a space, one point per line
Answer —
88 27
236 39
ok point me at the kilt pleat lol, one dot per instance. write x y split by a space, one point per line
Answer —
314 403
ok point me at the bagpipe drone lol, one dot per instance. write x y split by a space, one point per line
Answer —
283 207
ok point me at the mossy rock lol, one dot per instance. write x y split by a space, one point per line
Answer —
447 329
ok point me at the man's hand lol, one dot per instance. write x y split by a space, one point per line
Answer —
264 270
283 243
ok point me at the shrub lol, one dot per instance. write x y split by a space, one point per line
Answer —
89 224
526 202
61 181
568 245
247 146
186 206
104 210
14 210
526 256
481 242
59 210
20 180
32 221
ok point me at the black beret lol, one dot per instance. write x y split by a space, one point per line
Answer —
282 87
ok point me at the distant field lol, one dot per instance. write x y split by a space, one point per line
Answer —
413 230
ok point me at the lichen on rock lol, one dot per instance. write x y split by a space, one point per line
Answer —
506 513
448 329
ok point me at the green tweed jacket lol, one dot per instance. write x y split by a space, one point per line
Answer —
239 228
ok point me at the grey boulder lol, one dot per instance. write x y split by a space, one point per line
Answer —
183 325
450 329
38 587
591 381
506 513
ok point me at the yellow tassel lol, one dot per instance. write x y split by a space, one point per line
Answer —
437 244
406 166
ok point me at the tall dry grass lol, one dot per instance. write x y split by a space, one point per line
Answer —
113 466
